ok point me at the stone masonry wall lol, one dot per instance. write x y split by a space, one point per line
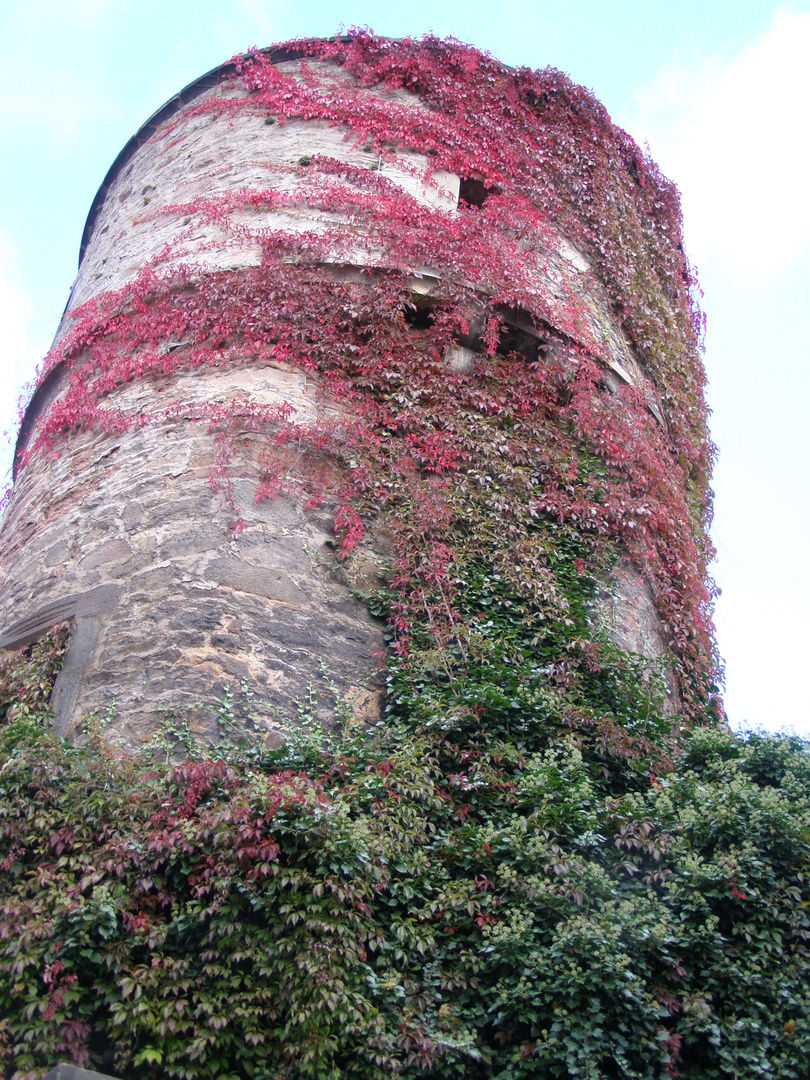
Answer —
169 610
123 533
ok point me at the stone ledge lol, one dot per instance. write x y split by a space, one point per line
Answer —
73 1072
28 630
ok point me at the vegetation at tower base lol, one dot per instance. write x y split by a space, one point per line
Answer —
457 895
538 865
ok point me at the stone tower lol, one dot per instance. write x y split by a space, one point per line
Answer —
337 302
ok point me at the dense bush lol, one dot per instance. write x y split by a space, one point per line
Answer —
459 898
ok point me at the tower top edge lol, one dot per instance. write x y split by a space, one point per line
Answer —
212 78
297 49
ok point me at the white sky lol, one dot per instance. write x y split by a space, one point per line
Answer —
719 88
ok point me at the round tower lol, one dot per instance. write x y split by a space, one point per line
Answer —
368 338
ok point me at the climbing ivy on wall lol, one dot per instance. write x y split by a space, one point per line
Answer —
402 904
493 466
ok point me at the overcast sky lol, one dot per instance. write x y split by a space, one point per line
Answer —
720 89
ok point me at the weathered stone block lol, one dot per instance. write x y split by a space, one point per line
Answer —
73 1072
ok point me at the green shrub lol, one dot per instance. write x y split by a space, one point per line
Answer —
403 904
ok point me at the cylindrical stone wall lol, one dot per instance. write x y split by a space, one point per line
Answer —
139 454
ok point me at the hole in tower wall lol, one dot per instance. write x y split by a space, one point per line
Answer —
474 192
634 170
519 337
512 341
418 313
